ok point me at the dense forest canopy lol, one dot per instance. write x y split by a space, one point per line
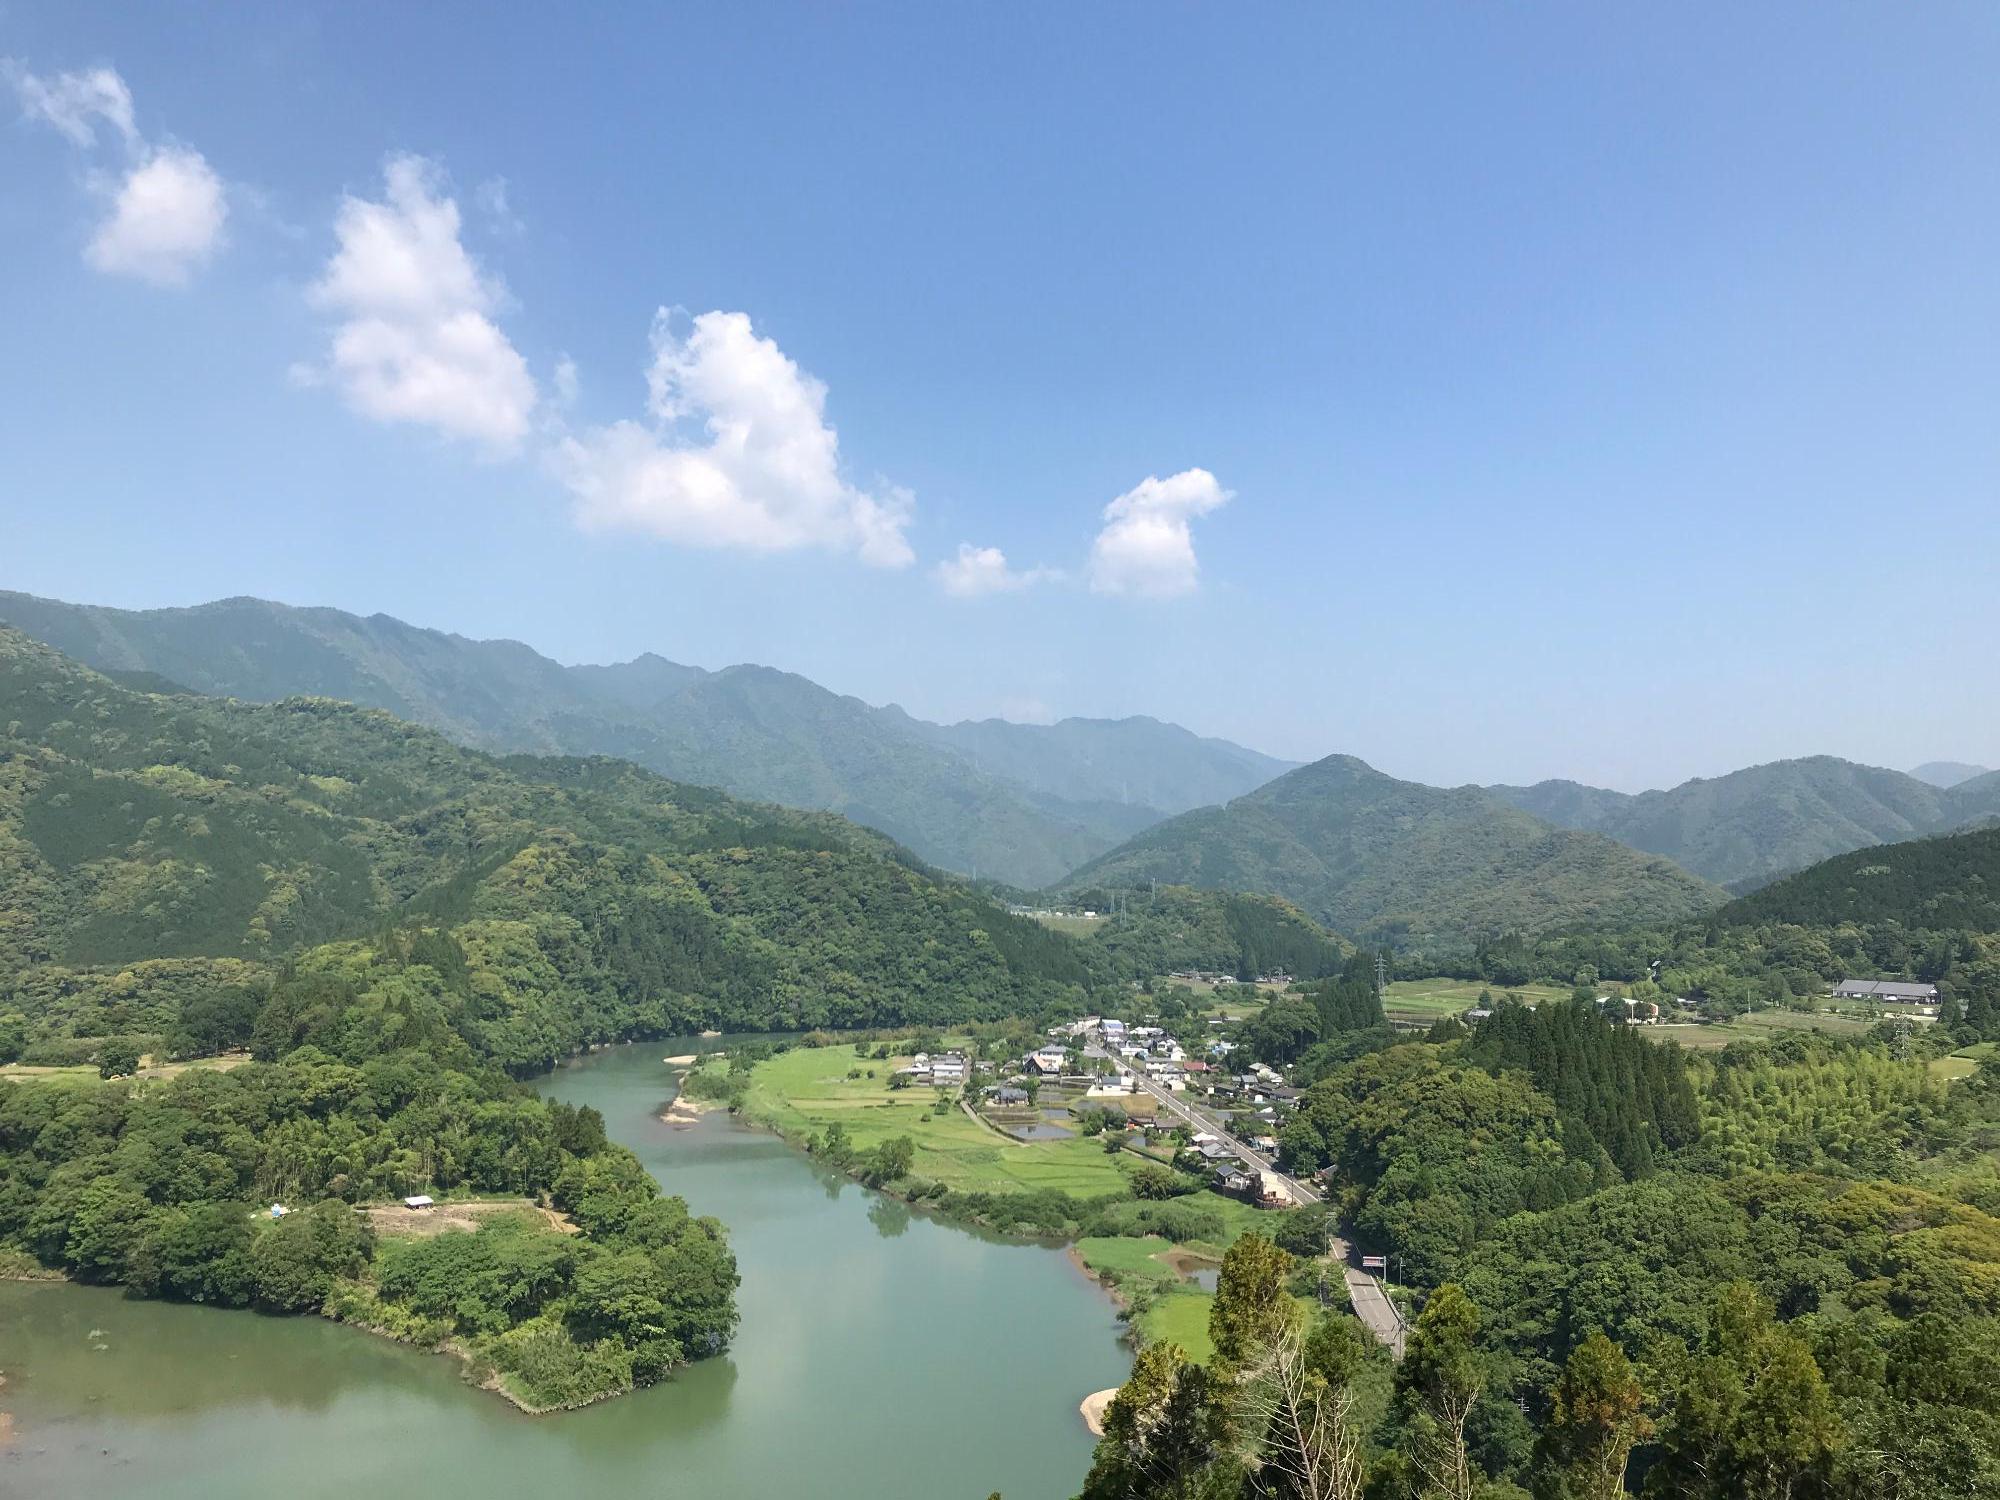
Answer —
374 1078
1933 884
150 843
1168 929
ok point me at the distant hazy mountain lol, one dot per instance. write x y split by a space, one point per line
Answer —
1021 803
1373 856
1755 824
1137 760
1947 773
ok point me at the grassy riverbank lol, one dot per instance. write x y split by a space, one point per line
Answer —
804 1092
800 1093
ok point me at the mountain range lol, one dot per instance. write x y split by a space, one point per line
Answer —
1021 803
1381 859
1756 824
1073 804
150 837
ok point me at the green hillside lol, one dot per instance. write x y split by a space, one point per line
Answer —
1022 803
1934 884
1764 821
1178 927
1374 857
591 899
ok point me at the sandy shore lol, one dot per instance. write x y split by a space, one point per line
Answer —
1093 1410
683 1112
685 1060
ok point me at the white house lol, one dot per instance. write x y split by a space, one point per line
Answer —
1047 1061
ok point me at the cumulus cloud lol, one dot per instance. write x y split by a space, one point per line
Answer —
1146 549
166 220
738 453
978 571
167 205
416 339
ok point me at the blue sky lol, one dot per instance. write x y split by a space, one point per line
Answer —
1557 390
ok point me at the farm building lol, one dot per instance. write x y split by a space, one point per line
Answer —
1887 991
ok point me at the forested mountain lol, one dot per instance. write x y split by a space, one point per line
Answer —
1935 884
1764 821
1947 773
1178 927
591 899
1023 803
1374 857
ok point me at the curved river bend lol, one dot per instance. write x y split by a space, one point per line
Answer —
881 1355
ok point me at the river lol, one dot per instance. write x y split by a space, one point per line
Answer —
881 1354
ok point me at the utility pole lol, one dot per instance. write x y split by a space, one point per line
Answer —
1381 978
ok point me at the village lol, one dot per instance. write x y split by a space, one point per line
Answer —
1181 1094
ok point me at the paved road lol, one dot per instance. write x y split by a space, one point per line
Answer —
1371 1304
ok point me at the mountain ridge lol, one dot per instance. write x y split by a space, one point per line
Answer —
1376 858
1761 822
1024 804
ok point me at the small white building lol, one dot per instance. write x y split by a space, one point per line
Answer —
1047 1061
419 1200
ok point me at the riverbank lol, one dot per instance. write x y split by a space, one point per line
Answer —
1161 1285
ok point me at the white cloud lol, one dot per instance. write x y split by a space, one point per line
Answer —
1146 549
74 103
763 473
166 220
168 207
978 571
416 339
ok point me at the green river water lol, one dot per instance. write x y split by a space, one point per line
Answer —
881 1354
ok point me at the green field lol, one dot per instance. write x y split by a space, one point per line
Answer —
801 1092
1964 1062
1755 1026
1429 999
1074 926
1169 1306
88 1071
1180 1318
